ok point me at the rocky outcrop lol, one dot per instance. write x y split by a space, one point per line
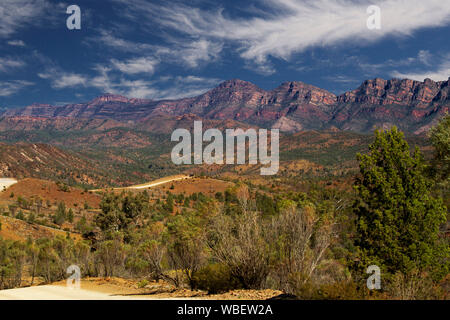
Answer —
399 92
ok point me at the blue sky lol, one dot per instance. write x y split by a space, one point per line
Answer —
173 49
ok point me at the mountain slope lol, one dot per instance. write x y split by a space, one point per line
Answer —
293 106
44 161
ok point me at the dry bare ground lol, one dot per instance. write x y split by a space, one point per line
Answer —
123 289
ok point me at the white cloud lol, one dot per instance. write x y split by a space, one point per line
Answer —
8 88
7 64
342 79
197 52
14 14
190 86
136 65
108 39
16 43
425 57
174 87
285 27
442 73
60 79
192 54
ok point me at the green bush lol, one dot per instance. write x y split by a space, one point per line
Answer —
20 215
215 278
143 283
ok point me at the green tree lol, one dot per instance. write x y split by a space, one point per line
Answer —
12 262
440 138
83 226
168 205
61 214
110 218
20 215
398 219
134 208
440 168
70 215
122 213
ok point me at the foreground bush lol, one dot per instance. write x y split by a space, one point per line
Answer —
215 278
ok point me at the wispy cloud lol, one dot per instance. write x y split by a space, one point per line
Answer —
190 53
423 59
342 79
195 53
136 65
108 39
8 88
441 73
7 64
285 27
15 14
61 79
189 86
163 88
109 79
16 43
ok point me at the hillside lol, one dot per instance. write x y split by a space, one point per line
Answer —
23 160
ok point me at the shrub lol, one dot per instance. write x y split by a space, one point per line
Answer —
143 283
12 262
240 243
185 245
215 278
299 241
20 215
70 215
413 286
60 216
111 255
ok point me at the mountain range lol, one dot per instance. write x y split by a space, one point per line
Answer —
413 106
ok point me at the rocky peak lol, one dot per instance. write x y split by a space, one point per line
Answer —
109 97
232 92
383 92
237 84
300 92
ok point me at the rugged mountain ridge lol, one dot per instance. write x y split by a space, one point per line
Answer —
293 106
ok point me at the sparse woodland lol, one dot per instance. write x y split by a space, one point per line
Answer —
315 244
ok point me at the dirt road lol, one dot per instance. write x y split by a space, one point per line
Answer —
59 293
6 183
153 183
159 182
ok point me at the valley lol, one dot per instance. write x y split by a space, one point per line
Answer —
94 183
